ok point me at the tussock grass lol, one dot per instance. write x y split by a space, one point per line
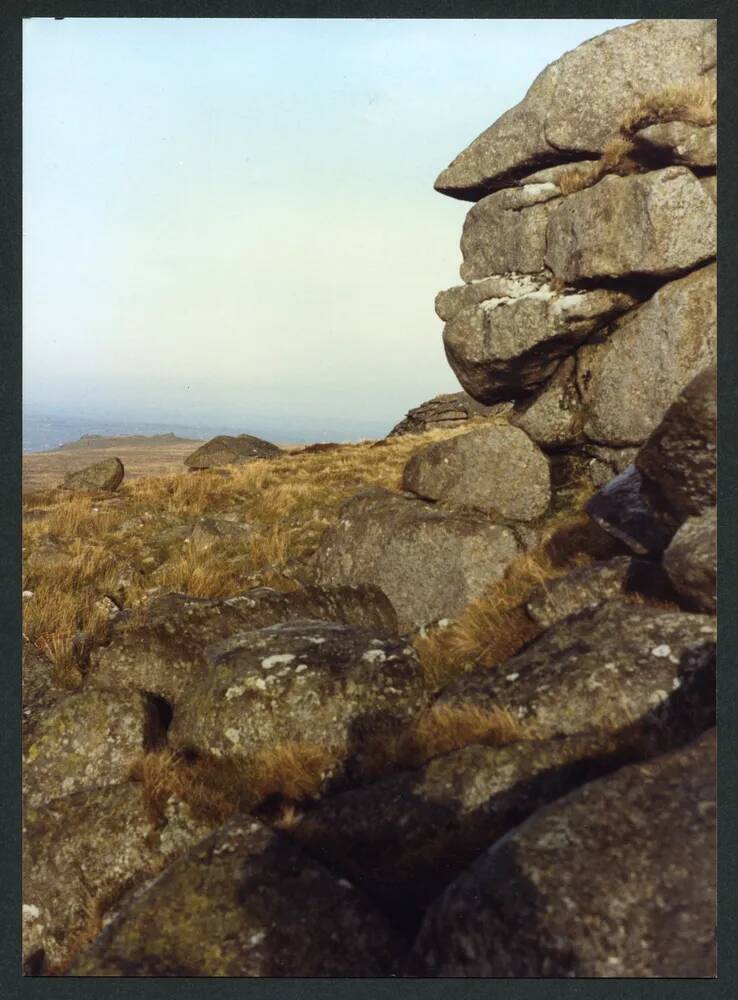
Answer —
695 102
444 728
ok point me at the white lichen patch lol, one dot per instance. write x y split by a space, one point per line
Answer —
661 652
234 692
277 660
374 656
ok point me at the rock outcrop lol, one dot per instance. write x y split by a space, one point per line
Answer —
451 409
105 475
227 450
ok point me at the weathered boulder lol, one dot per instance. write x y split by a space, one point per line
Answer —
105 475
162 648
584 588
244 902
210 530
552 418
578 102
227 450
81 853
603 670
616 879
679 459
628 380
87 740
504 347
452 409
680 142
403 839
601 232
306 682
691 561
40 689
430 563
497 470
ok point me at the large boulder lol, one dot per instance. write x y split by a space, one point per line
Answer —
504 347
429 562
661 223
576 103
616 879
81 853
105 475
87 740
679 459
497 470
552 417
586 587
227 450
162 648
452 409
245 902
623 509
403 839
628 379
604 669
691 561
308 682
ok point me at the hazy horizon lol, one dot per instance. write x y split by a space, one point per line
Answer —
233 222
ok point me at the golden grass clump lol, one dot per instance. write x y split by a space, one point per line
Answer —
444 728
694 102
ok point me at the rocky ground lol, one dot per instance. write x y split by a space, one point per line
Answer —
440 705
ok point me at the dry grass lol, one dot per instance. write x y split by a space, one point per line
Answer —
695 103
616 158
444 728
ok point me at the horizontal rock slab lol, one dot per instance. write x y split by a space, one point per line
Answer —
680 142
661 223
87 740
162 649
679 459
505 347
605 669
552 418
451 409
307 682
228 450
429 562
105 475
80 855
629 379
691 561
405 838
577 102
616 879
579 590
245 902
497 470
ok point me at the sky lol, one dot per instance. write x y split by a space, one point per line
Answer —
233 221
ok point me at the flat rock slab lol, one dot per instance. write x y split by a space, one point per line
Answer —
245 902
604 670
227 450
80 854
497 470
580 590
600 232
691 561
320 683
105 475
451 409
405 838
429 562
578 102
163 649
616 879
628 380
87 740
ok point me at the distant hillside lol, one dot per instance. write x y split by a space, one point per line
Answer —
125 441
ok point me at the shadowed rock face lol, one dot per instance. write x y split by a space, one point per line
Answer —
245 902
429 562
497 470
81 853
680 142
616 879
106 475
691 561
164 651
227 450
320 683
603 670
577 102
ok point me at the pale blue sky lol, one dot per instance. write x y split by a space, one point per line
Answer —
234 220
